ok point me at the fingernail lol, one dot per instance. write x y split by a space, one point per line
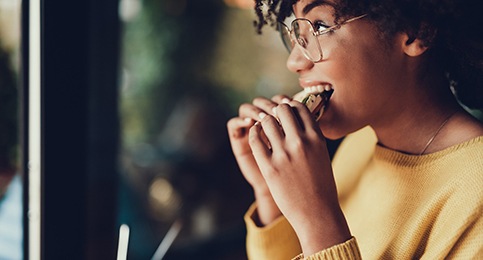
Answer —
248 120
274 109
285 100
262 115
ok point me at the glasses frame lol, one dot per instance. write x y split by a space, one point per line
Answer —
315 33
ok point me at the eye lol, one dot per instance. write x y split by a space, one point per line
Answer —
320 26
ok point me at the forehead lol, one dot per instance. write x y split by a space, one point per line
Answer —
303 7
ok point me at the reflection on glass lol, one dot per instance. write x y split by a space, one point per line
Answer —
186 67
10 181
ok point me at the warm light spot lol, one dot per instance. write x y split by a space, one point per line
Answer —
245 4
161 191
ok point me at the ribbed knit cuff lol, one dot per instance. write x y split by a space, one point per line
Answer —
276 240
348 250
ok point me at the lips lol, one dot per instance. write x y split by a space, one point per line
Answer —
316 98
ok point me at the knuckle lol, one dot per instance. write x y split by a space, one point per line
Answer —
263 103
269 119
252 136
271 173
278 98
232 121
243 107
299 106
259 100
297 144
233 124
280 158
230 124
284 107
315 132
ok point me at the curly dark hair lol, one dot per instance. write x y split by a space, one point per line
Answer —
453 29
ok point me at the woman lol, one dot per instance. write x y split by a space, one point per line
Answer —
407 180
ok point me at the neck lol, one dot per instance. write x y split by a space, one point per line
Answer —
424 112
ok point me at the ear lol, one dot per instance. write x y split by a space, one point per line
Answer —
413 47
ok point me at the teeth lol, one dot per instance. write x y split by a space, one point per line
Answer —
318 89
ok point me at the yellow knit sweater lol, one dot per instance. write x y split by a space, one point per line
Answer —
398 206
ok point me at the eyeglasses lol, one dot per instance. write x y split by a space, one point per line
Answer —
304 34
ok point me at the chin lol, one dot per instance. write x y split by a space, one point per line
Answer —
333 137
336 129
331 132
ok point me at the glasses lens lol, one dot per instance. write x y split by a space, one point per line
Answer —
285 35
304 33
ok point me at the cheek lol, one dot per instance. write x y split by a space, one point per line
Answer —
360 72
352 75
360 81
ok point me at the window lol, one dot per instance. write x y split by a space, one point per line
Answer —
124 106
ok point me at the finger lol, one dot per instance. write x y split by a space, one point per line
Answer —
238 127
265 104
289 120
307 120
247 110
273 132
281 99
259 149
238 135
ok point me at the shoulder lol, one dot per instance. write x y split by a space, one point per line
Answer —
462 128
459 175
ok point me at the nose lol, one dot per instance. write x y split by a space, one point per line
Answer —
297 61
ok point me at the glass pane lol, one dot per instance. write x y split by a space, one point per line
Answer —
187 66
10 180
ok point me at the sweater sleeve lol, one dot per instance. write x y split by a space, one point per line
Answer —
348 250
274 241
279 241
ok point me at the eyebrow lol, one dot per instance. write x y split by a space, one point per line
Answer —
314 4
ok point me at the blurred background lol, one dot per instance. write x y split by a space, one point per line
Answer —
186 67
10 181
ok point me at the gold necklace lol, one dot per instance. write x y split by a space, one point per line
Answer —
430 141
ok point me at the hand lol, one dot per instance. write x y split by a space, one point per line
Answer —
238 128
297 170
